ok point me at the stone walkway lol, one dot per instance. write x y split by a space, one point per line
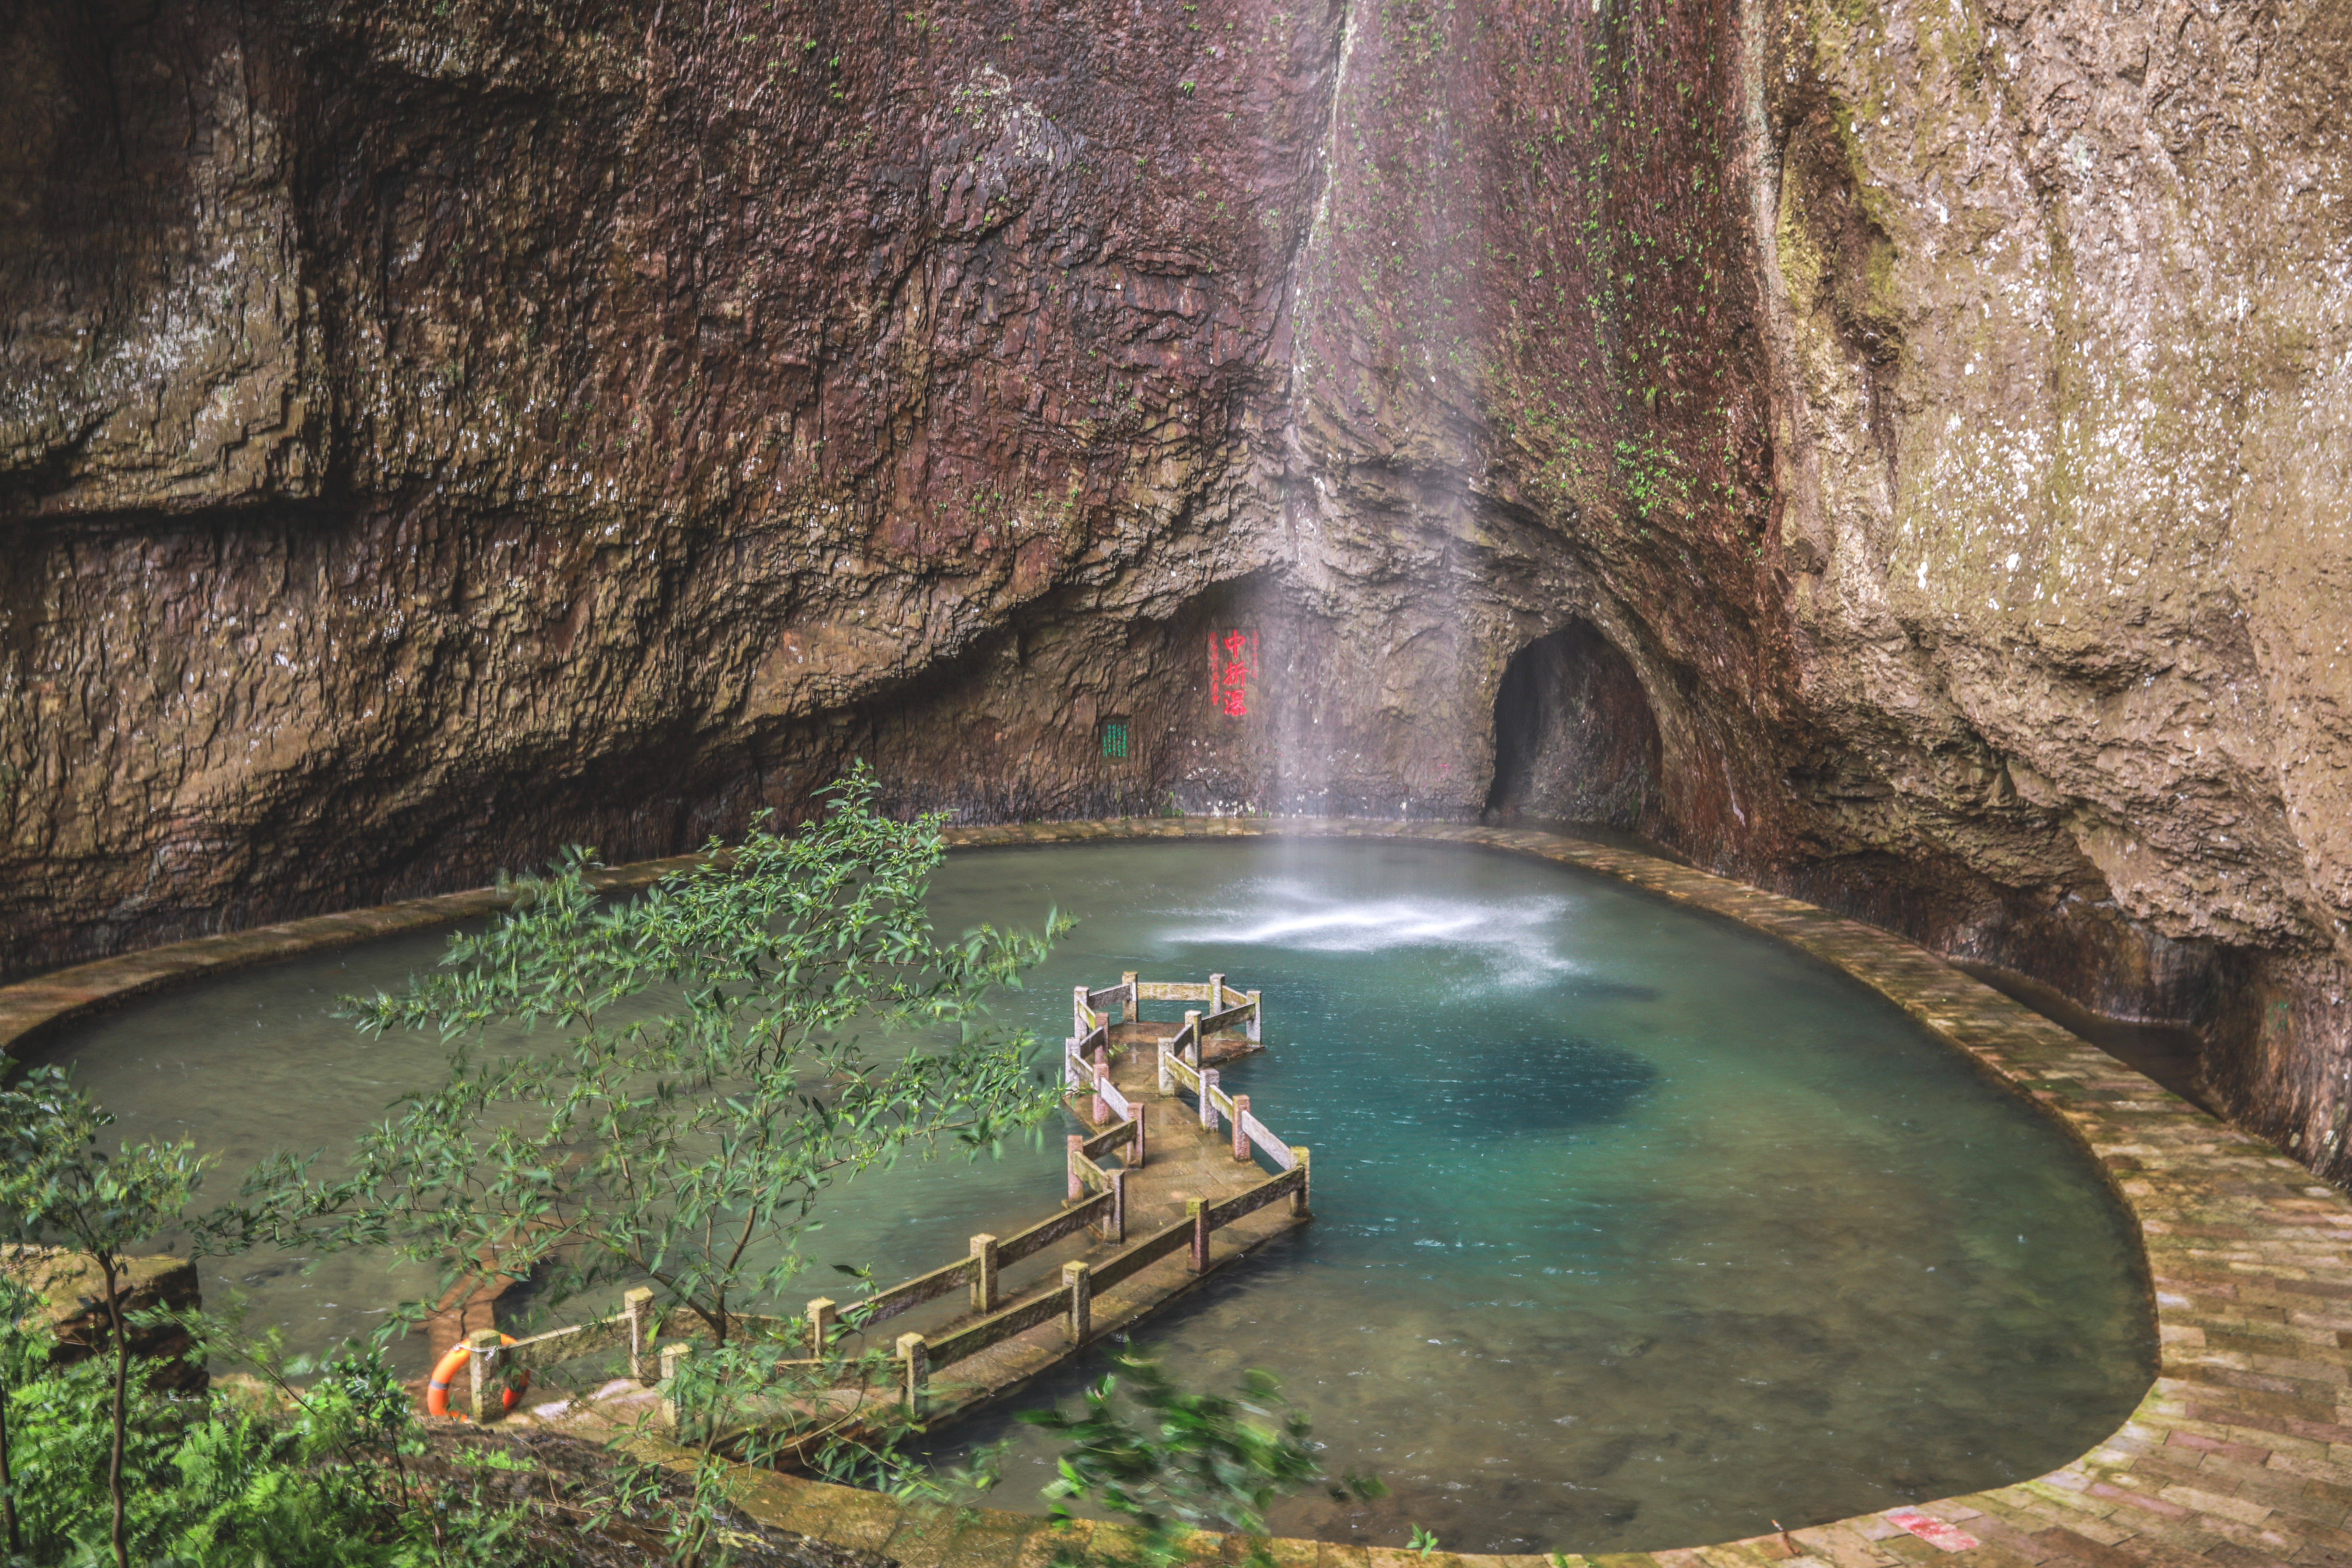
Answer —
2240 1456
1184 1164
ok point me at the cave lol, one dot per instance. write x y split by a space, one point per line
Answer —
1575 738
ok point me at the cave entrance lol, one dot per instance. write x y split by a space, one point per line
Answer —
1575 738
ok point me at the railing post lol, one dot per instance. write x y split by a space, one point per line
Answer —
822 1317
1193 1027
1134 1002
673 1361
1079 1011
1216 992
916 1354
637 1306
1240 1127
1079 1282
1077 1189
1102 1074
1298 1199
1208 1099
1257 1016
1114 1226
1135 1145
983 1273
1073 1070
1197 1211
1167 1079
489 1386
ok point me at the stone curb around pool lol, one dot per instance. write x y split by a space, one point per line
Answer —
29 1008
2240 1455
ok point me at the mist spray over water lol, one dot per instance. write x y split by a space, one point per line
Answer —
1510 941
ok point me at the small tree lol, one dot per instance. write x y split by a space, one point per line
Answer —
682 1137
58 1184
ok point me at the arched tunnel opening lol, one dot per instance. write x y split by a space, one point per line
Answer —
1575 737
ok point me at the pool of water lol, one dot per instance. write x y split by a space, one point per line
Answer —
1633 1228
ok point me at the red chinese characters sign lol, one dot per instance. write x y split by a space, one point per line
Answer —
1233 669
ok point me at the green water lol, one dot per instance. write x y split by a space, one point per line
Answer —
1633 1229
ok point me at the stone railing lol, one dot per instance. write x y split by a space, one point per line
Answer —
1227 1008
1072 1302
1177 1072
637 1329
1094 1189
1095 1201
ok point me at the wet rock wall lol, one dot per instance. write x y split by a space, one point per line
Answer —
2056 295
593 423
432 433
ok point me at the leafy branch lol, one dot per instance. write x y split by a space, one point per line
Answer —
1167 1462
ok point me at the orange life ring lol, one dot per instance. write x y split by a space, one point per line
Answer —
437 1387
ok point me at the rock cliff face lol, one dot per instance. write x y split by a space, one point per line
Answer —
1891 452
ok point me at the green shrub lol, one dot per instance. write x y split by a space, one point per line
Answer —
320 1484
1165 1462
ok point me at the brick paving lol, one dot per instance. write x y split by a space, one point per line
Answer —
2240 1455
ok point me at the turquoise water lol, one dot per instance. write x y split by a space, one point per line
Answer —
1633 1228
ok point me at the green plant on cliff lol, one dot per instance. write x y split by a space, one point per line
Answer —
676 1080
59 1184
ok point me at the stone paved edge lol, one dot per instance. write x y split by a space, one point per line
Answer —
2240 1455
31 1008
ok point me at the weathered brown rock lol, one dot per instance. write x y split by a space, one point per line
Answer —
2059 297
75 1312
1910 441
